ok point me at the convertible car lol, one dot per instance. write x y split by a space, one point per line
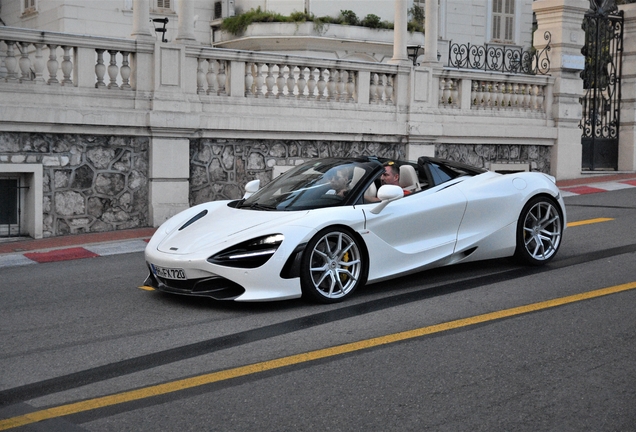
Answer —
327 227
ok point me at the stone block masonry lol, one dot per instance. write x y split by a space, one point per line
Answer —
90 183
220 168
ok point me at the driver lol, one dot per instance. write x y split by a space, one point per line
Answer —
391 176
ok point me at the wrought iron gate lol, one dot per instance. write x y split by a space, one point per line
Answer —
603 49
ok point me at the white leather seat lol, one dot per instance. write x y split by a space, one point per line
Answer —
408 179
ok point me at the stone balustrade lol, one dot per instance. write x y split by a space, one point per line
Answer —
33 57
268 76
501 92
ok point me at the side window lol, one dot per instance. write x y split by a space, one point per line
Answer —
163 5
503 21
29 7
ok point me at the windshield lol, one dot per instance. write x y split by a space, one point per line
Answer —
316 184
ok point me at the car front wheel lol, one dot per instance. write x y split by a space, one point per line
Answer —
333 266
539 231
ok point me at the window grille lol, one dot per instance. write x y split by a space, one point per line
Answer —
164 4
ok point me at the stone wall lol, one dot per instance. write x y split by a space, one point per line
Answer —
483 156
90 183
219 168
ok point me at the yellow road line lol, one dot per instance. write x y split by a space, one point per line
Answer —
589 221
182 384
146 288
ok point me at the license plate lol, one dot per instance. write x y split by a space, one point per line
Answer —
169 273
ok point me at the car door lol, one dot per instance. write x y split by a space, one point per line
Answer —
413 231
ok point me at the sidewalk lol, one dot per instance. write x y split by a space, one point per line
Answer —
63 248
25 252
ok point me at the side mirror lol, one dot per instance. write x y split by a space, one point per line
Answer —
386 194
251 188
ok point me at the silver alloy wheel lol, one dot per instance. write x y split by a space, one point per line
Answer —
542 228
335 265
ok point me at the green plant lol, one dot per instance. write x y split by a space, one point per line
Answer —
417 17
349 17
372 21
237 25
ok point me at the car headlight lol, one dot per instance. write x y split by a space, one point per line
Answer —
250 254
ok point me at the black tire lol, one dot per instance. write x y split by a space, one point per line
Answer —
539 231
333 266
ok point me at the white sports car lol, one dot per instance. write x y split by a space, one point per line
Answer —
327 227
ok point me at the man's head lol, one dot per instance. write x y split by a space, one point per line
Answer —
391 175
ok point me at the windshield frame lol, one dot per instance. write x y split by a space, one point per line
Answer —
313 185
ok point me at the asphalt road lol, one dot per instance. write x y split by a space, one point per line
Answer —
488 346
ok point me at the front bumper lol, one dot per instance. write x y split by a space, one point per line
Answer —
217 288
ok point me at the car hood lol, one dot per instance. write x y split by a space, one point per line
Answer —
222 227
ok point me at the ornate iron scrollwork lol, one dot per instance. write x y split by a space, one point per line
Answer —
499 58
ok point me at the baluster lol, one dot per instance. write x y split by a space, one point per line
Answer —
200 76
533 97
52 65
11 63
340 87
454 93
489 95
113 70
481 95
381 78
447 93
351 86
526 97
38 65
280 82
311 84
249 79
540 99
515 96
331 85
100 69
302 82
259 80
125 71
507 89
473 94
270 80
388 90
442 86
67 66
291 81
522 97
25 63
221 78
373 88
322 84
210 76
501 88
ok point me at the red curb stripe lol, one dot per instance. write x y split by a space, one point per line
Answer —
60 255
630 182
581 190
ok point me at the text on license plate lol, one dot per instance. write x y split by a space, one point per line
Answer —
169 273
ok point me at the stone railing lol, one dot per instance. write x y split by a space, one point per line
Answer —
521 94
33 57
270 76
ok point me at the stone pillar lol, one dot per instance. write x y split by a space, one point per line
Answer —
431 32
627 133
563 20
185 31
141 18
400 31
169 173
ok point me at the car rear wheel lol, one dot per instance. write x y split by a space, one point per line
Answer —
333 266
539 231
